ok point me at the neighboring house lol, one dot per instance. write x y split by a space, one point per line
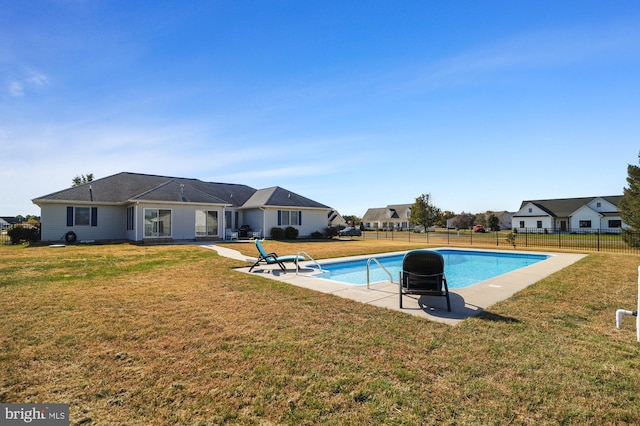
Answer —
569 215
7 222
394 216
140 207
505 219
335 219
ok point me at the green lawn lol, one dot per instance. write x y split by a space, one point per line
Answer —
172 335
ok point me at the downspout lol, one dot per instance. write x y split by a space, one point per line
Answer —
137 232
264 223
621 312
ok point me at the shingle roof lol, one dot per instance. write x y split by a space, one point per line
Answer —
564 207
280 197
10 219
125 187
385 213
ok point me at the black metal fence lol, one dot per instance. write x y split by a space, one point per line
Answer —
609 240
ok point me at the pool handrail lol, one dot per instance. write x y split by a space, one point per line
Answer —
380 265
302 252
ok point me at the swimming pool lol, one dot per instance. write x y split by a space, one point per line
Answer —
463 268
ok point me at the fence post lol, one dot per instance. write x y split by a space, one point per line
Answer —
559 239
598 239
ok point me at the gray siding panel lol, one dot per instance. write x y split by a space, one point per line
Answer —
111 224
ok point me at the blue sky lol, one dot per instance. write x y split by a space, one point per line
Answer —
482 104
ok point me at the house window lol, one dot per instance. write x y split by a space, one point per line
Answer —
130 218
585 224
157 223
615 223
539 224
289 217
522 224
284 218
598 204
82 216
206 223
530 210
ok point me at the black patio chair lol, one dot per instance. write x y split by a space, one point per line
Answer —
423 273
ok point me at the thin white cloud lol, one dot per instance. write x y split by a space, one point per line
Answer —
16 89
31 79
37 78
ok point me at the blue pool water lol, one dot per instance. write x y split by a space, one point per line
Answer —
463 268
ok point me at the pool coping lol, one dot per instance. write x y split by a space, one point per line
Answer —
465 302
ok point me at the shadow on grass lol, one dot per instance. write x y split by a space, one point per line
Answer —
460 309
490 316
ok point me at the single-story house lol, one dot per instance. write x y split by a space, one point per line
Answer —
570 215
393 217
336 220
7 222
504 219
140 207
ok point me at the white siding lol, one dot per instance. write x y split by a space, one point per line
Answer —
585 214
112 223
531 223
604 207
312 221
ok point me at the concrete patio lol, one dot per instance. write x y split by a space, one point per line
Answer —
465 302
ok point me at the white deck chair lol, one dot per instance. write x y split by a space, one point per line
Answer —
230 234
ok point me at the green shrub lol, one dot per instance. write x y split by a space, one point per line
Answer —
277 233
331 231
316 235
290 233
19 234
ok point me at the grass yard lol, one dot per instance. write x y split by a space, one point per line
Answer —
155 335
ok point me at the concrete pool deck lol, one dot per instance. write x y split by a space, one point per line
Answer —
465 302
